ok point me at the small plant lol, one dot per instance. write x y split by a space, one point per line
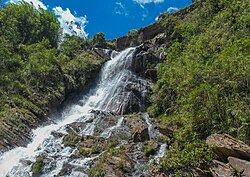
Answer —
133 33
71 139
84 151
148 148
96 171
96 149
237 172
38 165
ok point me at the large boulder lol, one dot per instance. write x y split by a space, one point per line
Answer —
240 166
220 169
225 145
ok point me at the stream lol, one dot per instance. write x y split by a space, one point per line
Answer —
108 95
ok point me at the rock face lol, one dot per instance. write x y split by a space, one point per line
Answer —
231 150
225 145
139 128
220 169
151 31
144 34
241 166
124 152
136 82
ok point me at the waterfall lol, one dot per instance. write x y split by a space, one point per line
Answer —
110 94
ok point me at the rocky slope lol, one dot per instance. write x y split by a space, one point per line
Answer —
127 142
46 102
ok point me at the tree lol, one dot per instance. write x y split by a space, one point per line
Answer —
73 45
98 40
22 23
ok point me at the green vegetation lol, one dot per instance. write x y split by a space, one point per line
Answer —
113 160
203 85
98 40
96 149
71 139
133 34
37 75
38 165
149 148
97 171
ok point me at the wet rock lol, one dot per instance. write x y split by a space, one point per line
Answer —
165 130
66 170
57 134
141 135
240 166
112 163
100 119
151 74
150 148
220 169
138 128
225 145
144 34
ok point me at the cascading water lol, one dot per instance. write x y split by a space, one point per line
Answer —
109 95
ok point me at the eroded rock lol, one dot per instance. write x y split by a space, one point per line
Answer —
138 128
240 166
220 169
225 145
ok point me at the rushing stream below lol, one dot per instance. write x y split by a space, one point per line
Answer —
108 95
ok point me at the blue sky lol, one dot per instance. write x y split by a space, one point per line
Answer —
113 17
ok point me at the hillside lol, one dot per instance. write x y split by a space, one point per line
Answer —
180 105
202 85
36 76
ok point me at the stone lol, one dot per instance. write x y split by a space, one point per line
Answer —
220 169
224 145
138 128
144 34
151 74
141 135
241 166
165 130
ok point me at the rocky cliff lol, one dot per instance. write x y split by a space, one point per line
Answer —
149 32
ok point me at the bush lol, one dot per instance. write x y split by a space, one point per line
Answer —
37 166
97 171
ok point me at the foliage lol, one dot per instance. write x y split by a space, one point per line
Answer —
96 149
149 148
35 75
37 166
72 46
133 33
97 171
203 84
71 139
98 40
22 23
186 153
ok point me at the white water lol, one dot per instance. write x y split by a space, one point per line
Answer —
159 155
113 75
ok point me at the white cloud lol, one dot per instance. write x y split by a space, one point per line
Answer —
120 9
148 1
71 24
36 3
172 9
